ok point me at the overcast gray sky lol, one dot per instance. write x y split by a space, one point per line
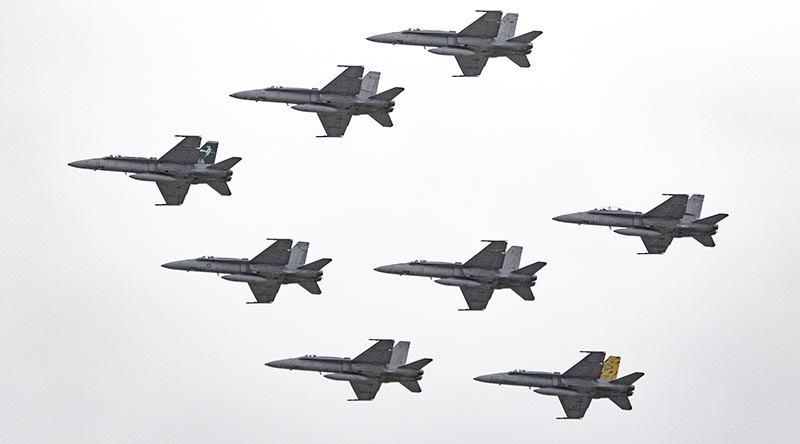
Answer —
625 100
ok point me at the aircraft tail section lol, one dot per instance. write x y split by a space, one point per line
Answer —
400 354
221 187
521 60
209 153
622 402
383 118
524 292
297 257
512 258
508 26
693 208
389 94
610 368
526 38
418 365
412 386
311 287
629 379
226 164
316 265
705 239
531 269
711 220
369 84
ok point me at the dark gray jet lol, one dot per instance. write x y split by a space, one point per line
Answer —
279 264
345 96
383 362
591 378
184 165
489 36
491 269
678 216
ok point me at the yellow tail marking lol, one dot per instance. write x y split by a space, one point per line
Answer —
610 368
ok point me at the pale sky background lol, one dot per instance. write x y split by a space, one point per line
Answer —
625 101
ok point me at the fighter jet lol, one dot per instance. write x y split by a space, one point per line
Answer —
345 96
279 264
678 216
184 165
383 362
489 36
491 269
589 379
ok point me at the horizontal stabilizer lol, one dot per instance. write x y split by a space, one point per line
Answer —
521 60
524 292
622 402
412 386
383 118
311 287
316 265
628 380
226 164
711 220
389 94
531 269
705 239
220 187
418 365
526 38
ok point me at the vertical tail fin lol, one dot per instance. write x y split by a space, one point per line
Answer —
693 208
610 368
399 354
508 26
512 258
209 151
297 257
369 84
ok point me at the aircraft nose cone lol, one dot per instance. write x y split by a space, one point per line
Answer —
173 265
239 95
382 38
280 363
81 164
568 218
483 378
385 269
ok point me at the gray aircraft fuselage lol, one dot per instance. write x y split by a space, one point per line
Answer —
455 274
450 43
554 384
342 369
312 100
241 270
635 223
151 170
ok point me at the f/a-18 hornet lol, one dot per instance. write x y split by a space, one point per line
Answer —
591 378
345 96
279 264
184 165
383 362
489 36
491 269
678 216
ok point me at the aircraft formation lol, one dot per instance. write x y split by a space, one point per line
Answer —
495 267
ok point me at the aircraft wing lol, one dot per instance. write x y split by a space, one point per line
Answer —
477 297
265 292
487 26
335 124
672 208
185 152
379 354
348 83
276 254
173 192
471 66
366 391
590 367
656 245
491 257
575 406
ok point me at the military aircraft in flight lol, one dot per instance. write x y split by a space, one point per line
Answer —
491 269
591 378
489 36
345 96
383 362
678 216
279 264
184 165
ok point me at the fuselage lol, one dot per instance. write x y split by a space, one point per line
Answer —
344 366
150 169
242 270
638 223
456 274
555 384
313 100
461 46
